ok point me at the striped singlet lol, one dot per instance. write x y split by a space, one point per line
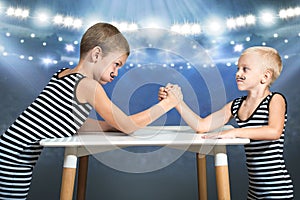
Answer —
55 113
268 176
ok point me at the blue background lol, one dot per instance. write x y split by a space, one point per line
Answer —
205 88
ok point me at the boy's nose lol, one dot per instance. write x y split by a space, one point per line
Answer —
238 73
116 73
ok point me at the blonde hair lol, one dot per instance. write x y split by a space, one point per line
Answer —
271 59
106 36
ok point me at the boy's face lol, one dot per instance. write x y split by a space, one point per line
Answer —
250 71
108 67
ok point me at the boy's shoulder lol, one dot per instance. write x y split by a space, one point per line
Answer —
279 96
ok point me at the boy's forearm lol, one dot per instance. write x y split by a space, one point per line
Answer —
190 117
146 117
258 133
94 125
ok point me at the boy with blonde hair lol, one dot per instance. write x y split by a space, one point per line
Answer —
261 116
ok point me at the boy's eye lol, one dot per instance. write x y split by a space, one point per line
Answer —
244 69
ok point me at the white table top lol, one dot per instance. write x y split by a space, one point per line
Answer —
149 136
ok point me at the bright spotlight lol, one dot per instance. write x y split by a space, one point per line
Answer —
132 27
231 23
289 13
238 48
17 12
175 28
10 11
58 19
250 19
153 22
68 21
267 18
185 29
240 21
42 17
123 26
153 25
47 61
196 29
215 27
69 48
77 23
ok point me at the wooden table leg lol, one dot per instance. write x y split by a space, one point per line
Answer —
82 177
68 177
201 169
222 176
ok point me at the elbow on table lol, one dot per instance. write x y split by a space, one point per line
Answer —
127 131
201 130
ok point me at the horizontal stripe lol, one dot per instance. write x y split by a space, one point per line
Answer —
268 177
54 113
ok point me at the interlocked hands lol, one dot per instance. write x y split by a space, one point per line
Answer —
171 92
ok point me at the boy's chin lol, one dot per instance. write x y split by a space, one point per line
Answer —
103 82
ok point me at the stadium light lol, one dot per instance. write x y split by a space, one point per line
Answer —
289 13
187 28
17 12
267 18
240 21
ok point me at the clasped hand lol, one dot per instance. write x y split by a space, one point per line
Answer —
170 91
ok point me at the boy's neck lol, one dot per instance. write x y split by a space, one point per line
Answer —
258 94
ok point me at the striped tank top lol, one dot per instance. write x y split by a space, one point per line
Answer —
268 176
55 113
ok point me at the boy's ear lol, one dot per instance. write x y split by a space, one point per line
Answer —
96 53
267 76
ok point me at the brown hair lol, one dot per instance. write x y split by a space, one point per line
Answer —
106 36
271 59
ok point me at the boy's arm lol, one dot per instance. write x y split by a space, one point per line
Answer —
93 125
206 124
92 92
198 124
272 131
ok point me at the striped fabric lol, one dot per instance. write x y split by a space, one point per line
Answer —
55 113
268 176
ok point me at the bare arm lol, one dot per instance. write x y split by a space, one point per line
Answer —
94 125
206 124
198 124
272 131
92 92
